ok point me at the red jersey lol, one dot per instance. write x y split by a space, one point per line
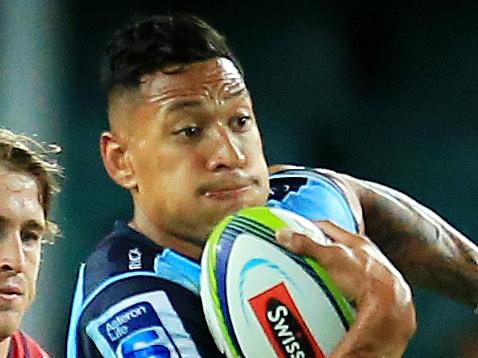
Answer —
22 346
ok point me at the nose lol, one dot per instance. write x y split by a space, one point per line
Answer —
227 152
12 255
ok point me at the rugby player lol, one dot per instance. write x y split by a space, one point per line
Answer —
27 183
184 141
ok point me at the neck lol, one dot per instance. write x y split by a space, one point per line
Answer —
4 347
187 247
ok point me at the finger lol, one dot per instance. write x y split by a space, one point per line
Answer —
296 242
338 234
300 244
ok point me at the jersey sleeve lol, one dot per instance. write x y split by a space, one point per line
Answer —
313 194
145 317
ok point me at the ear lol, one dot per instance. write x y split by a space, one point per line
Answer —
116 161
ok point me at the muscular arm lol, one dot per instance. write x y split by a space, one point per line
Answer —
426 249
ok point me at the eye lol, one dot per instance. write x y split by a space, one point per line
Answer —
188 132
241 123
30 237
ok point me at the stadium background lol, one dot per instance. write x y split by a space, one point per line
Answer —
383 90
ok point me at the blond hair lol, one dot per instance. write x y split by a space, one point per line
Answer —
23 154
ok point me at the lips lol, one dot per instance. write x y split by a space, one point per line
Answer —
227 192
227 187
10 294
12 286
10 290
227 183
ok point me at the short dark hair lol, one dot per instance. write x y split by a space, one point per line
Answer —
154 42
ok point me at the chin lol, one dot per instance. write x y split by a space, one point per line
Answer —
227 208
9 323
234 204
217 210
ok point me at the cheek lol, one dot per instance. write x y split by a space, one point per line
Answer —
253 139
258 161
34 260
181 160
253 148
176 174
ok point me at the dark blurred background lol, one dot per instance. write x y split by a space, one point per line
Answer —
383 90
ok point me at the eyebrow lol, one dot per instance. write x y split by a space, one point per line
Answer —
184 103
34 225
30 224
191 103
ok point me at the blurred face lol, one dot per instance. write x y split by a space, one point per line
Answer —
195 149
22 224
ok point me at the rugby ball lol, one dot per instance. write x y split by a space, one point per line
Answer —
260 300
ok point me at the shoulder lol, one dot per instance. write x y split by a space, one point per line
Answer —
23 345
332 193
154 305
121 253
142 311
127 269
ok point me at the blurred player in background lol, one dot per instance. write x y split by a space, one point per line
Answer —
184 141
27 183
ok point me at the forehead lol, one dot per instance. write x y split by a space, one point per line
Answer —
216 78
19 196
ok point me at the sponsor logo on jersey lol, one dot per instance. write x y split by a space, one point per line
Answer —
283 324
124 325
119 325
152 342
134 259
143 325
